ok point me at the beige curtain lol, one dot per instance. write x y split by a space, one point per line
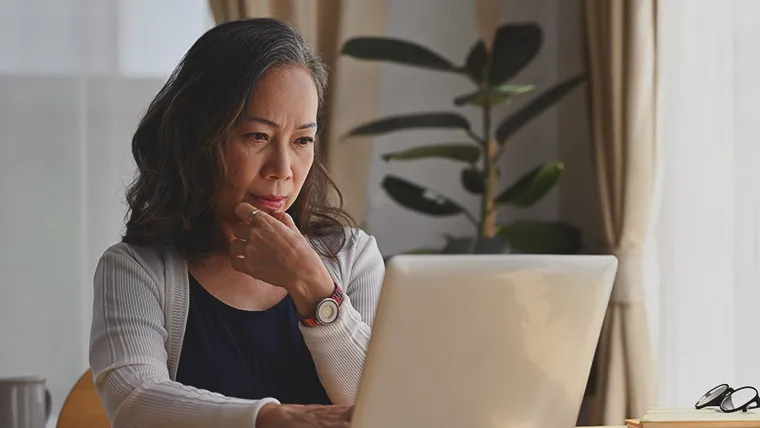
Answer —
353 89
621 48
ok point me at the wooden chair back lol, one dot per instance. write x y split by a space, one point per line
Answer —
83 407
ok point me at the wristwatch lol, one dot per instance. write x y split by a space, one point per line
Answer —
327 309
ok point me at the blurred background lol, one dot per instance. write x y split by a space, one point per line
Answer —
76 75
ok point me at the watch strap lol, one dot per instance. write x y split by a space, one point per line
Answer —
337 296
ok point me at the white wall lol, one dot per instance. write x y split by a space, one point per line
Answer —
448 27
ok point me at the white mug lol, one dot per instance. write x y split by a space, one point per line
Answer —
24 402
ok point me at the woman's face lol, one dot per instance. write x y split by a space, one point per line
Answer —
271 150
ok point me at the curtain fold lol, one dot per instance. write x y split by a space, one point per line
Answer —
620 39
354 86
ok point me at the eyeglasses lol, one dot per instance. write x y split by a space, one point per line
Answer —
730 400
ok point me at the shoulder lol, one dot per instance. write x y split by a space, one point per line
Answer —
140 260
358 255
356 244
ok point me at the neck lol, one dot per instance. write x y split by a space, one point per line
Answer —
216 266
235 288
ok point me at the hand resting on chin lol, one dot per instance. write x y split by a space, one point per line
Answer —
271 248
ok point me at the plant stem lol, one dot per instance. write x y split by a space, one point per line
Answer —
490 175
470 217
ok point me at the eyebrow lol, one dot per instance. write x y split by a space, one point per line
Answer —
275 124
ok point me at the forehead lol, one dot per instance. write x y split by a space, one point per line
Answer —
284 95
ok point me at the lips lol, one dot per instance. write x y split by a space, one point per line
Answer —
269 203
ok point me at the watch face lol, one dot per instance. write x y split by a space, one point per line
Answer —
327 311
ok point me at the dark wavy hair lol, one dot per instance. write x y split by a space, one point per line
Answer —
179 145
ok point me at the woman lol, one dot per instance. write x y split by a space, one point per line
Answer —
238 296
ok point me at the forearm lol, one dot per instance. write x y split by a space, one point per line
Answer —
339 351
269 416
134 403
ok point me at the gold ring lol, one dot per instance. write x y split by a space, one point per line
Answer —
253 214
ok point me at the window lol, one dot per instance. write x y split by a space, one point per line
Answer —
75 76
708 233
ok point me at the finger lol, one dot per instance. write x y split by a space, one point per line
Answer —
238 248
243 231
239 264
348 413
249 214
260 233
264 221
285 219
243 210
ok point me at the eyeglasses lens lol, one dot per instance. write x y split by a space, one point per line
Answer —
712 394
738 399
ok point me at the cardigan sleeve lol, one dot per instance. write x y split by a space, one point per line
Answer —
128 356
339 349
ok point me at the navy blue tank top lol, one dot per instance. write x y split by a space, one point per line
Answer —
247 354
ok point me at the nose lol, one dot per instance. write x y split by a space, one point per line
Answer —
277 165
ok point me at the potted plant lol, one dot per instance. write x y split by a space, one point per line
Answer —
490 70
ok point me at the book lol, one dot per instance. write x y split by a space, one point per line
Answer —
661 417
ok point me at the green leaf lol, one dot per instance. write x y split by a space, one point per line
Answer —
411 121
459 152
420 199
539 237
532 186
477 245
513 123
497 95
395 50
473 181
475 63
514 46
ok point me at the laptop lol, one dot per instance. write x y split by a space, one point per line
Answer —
483 341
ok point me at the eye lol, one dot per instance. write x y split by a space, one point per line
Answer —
305 141
256 136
